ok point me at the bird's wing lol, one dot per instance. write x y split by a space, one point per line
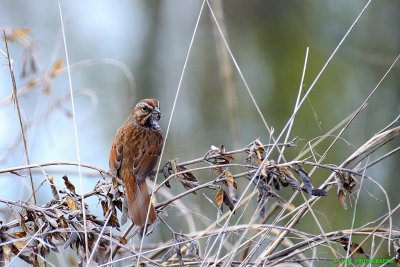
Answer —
115 159
146 157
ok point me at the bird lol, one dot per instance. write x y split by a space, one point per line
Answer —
134 153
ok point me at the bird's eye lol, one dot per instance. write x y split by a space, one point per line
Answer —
145 108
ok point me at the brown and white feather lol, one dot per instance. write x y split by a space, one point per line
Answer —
133 156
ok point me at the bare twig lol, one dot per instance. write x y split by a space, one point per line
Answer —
15 98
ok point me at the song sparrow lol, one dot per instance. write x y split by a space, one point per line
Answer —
134 153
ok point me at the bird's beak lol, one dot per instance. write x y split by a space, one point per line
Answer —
156 114
156 111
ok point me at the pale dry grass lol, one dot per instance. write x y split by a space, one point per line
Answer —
266 238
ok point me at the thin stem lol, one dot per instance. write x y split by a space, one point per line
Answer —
15 98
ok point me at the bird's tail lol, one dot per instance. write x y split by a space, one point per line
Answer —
138 199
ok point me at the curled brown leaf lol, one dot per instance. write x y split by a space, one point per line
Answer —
68 184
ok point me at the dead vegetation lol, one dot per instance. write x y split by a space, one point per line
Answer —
269 237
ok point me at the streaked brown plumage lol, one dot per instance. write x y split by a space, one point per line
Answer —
134 154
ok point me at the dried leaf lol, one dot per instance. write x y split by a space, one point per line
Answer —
15 250
28 61
258 160
23 257
62 222
114 182
189 184
31 216
264 170
118 203
20 234
35 261
319 192
306 179
182 241
276 183
232 189
104 206
349 182
285 183
68 184
114 220
218 171
51 221
266 191
173 166
73 238
218 156
106 189
220 197
43 250
53 188
194 249
59 237
22 223
174 250
52 246
230 179
289 178
342 198
46 87
228 201
256 151
19 244
226 158
187 175
260 150
57 67
18 33
121 239
187 179
167 173
344 241
31 84
71 203
259 155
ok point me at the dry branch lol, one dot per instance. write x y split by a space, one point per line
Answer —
58 224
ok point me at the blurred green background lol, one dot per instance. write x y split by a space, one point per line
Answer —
150 40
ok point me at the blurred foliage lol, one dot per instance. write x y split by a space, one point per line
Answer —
268 40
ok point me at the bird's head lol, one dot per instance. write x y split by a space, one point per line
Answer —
147 113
